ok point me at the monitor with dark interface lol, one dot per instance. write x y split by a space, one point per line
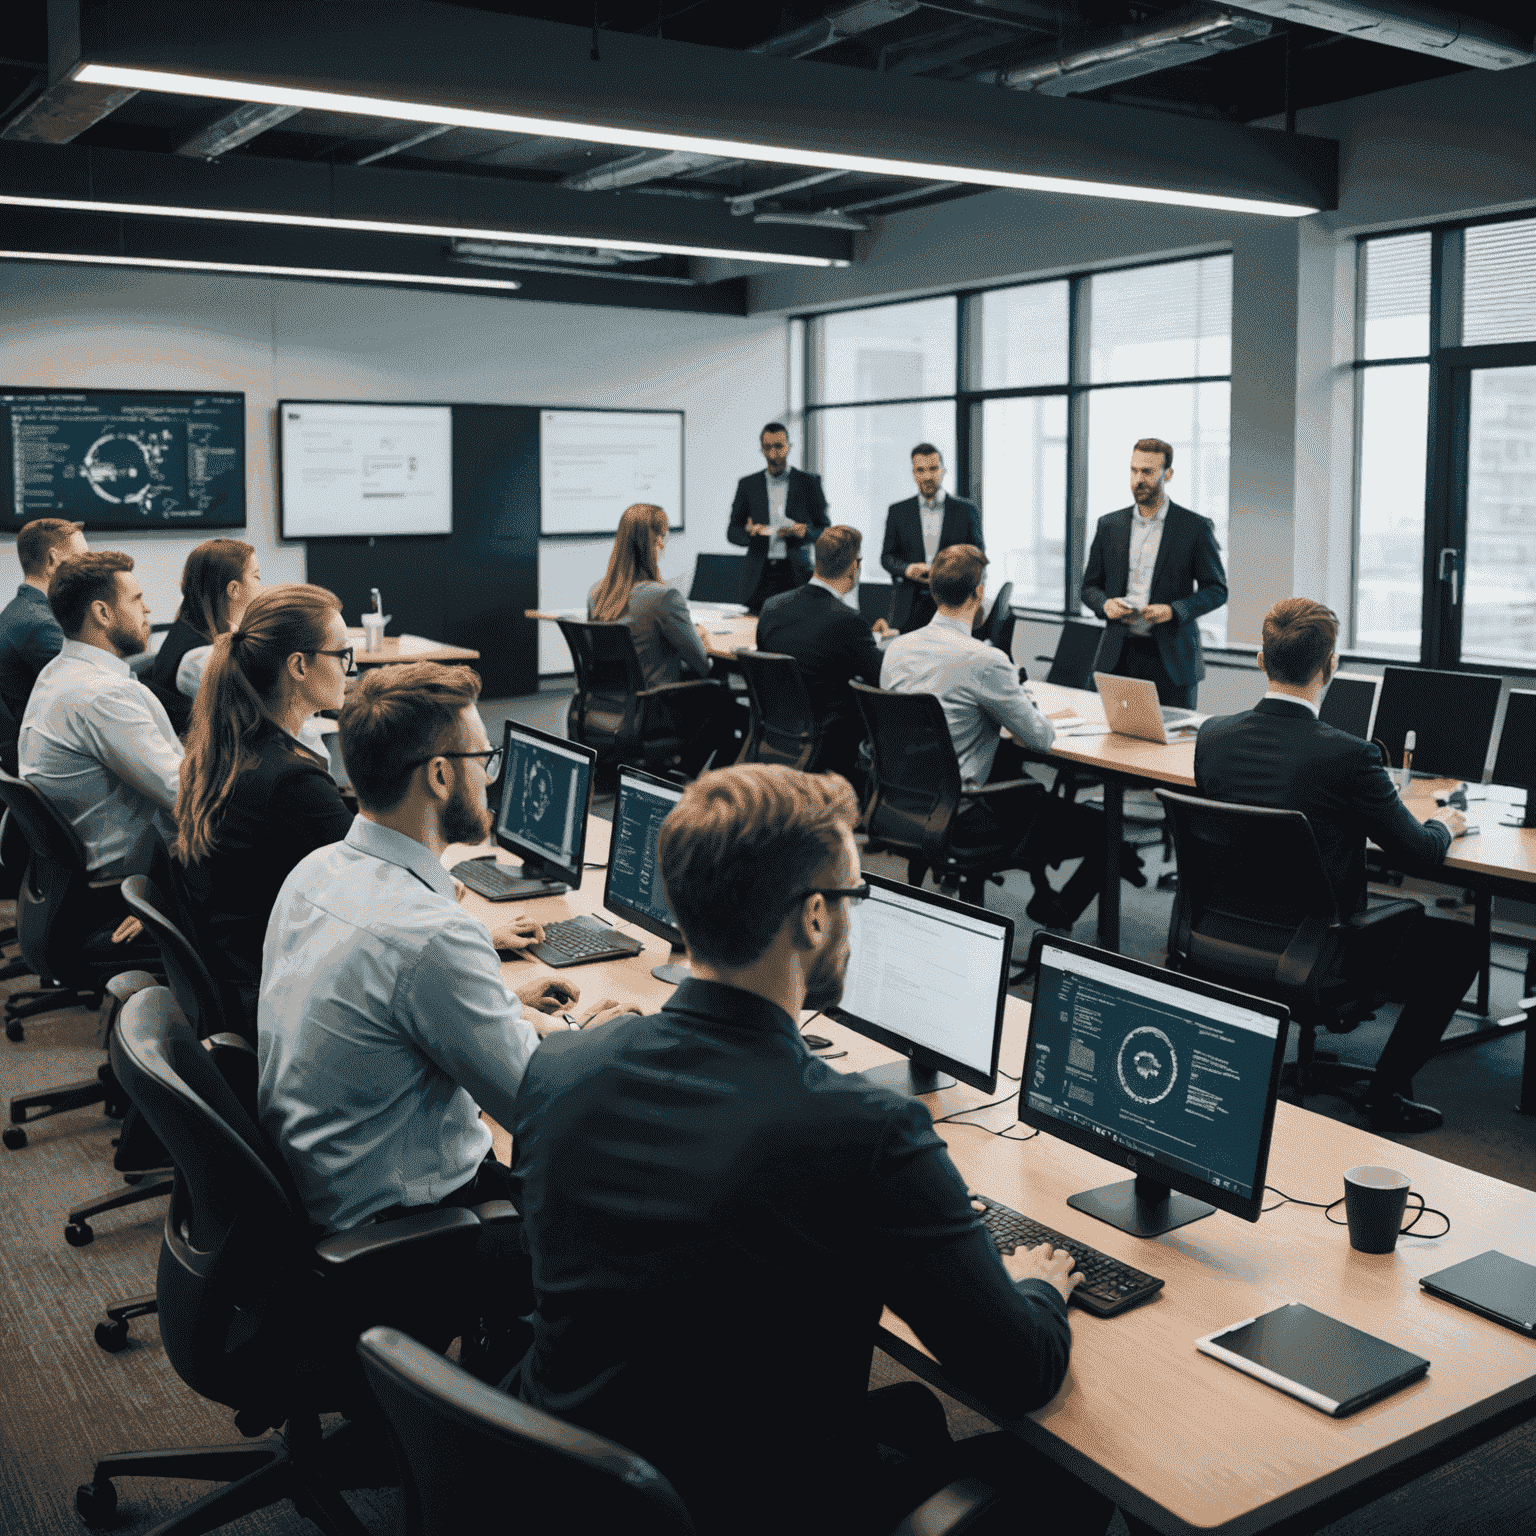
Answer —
1451 715
1514 763
1171 1077
1350 703
927 976
546 784
633 889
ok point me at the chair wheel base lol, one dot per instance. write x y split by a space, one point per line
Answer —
14 1137
96 1503
78 1233
112 1337
14 1030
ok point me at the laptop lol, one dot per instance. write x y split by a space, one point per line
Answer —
1493 1284
1131 709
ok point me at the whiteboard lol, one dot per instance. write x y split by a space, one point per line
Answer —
350 469
594 464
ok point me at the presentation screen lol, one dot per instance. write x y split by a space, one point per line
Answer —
349 470
123 459
594 464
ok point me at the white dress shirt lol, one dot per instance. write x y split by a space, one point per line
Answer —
931 515
977 685
1146 540
1294 698
383 1026
778 520
99 747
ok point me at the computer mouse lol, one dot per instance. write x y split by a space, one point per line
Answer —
817 1042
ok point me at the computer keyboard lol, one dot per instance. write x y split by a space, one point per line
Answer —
1107 1287
581 941
1172 714
493 881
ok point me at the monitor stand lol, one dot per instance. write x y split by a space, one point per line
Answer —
1143 1207
911 1079
536 869
676 969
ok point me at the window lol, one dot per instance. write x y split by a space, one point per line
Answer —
896 352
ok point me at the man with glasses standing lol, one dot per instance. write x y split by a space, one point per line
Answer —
777 515
384 1026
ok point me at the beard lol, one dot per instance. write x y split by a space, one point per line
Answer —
127 642
824 980
1148 493
463 820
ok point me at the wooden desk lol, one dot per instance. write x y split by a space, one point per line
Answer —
1179 1440
402 648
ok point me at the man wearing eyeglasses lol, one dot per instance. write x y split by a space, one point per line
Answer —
716 1217
384 1026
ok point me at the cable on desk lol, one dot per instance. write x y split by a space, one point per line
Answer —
1329 1206
953 1118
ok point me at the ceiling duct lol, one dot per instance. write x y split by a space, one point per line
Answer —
1443 34
850 21
648 165
234 129
567 261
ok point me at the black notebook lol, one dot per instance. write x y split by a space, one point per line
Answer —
1494 1284
1314 1357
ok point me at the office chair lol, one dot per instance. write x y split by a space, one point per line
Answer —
996 627
716 578
916 799
1077 648
462 1445
1255 911
667 730
254 1313
784 727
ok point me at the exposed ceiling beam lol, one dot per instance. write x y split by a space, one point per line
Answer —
63 112
633 170
424 137
1419 28
837 27
234 129
647 93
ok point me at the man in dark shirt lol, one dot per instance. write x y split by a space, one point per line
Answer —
30 636
716 1218
830 641
1280 754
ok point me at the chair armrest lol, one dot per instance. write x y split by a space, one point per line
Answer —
409 1235
494 1212
126 983
1298 967
1388 911
949 1511
671 690
999 786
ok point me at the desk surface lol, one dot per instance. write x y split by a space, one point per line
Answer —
1495 852
1177 1438
399 648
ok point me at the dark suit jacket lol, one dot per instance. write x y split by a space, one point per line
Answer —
284 806
161 677
30 638
1278 755
803 504
696 1185
1188 576
904 545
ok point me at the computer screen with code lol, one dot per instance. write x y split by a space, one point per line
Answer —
634 888
544 799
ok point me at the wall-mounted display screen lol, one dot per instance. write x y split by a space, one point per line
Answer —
350 470
594 464
123 459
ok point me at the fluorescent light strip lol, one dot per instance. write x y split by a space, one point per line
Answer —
634 138
250 268
390 227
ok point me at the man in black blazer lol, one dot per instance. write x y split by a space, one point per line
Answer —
777 515
916 530
1280 754
832 644
1153 569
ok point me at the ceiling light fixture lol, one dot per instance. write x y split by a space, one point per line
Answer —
253 269
635 138
391 227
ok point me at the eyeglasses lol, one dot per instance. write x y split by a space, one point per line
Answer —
852 894
348 666
490 758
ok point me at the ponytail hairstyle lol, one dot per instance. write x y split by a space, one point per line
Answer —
205 580
633 559
239 690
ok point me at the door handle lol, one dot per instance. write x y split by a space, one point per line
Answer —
1450 570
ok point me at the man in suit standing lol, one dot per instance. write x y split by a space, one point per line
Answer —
776 517
1154 568
831 643
1280 754
916 530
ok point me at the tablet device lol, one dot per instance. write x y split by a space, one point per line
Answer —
1493 1284
1327 1364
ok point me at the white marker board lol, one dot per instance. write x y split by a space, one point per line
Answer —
594 464
351 469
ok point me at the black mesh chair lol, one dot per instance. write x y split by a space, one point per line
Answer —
917 801
717 578
463 1445
996 628
783 728
1255 911
254 1313
665 730
1077 647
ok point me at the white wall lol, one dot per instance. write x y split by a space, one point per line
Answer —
275 338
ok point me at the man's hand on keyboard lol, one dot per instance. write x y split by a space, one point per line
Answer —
1054 1266
547 995
520 934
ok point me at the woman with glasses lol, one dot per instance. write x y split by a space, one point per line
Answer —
255 798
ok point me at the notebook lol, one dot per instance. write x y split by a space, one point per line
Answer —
1493 1284
1314 1357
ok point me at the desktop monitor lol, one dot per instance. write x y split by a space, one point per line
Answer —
1515 761
927 976
1450 713
1172 1077
633 889
1350 703
546 786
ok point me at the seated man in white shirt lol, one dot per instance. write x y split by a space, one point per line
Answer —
95 742
384 1025
979 688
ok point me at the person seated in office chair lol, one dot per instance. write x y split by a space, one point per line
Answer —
383 1023
980 690
1280 754
30 636
255 799
831 644
716 1218
218 583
